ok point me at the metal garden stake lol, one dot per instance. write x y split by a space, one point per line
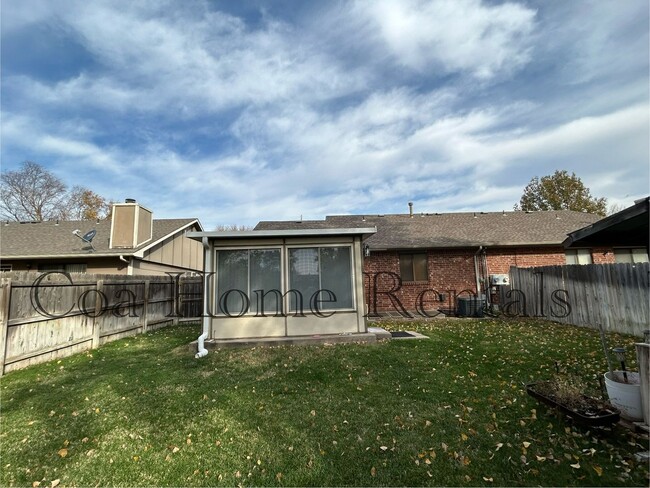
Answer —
620 355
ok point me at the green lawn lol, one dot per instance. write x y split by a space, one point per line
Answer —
450 410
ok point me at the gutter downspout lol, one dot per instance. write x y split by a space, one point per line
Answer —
476 272
128 264
486 277
207 267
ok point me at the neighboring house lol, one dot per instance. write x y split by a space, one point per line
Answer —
626 232
130 242
425 261
283 284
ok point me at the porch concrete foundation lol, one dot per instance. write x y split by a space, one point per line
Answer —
282 341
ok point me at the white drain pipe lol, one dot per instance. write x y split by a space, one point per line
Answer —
476 272
207 269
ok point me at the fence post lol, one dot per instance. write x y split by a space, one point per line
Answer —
98 312
177 298
5 302
145 307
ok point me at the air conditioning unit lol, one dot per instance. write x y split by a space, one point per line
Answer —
499 279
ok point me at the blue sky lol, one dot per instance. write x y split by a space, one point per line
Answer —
235 112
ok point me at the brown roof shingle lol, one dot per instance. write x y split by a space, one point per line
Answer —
51 239
453 230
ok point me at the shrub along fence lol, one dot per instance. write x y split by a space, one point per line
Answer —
44 316
612 295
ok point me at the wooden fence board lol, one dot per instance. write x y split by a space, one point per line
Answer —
614 295
77 316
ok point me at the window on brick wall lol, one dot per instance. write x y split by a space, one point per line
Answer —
638 255
413 267
578 256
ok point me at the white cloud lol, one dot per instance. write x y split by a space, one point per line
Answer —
459 35
191 61
316 132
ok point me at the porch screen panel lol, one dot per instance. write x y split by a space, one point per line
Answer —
336 276
265 276
303 275
232 274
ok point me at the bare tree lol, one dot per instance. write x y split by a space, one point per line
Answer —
615 208
232 227
31 193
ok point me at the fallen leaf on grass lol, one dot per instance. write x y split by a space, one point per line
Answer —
55 483
598 470
35 484
526 445
373 471
383 448
463 436
490 480
63 452
499 445
575 466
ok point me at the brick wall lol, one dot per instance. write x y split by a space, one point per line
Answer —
602 255
450 273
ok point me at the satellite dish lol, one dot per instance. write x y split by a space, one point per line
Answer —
87 237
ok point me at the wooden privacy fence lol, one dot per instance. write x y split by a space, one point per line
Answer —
614 295
47 316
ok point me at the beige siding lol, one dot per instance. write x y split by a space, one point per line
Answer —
178 251
144 226
107 266
148 268
123 224
94 266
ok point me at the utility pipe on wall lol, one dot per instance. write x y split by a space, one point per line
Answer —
207 267
476 272
486 277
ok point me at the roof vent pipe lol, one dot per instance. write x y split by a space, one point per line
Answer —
411 209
